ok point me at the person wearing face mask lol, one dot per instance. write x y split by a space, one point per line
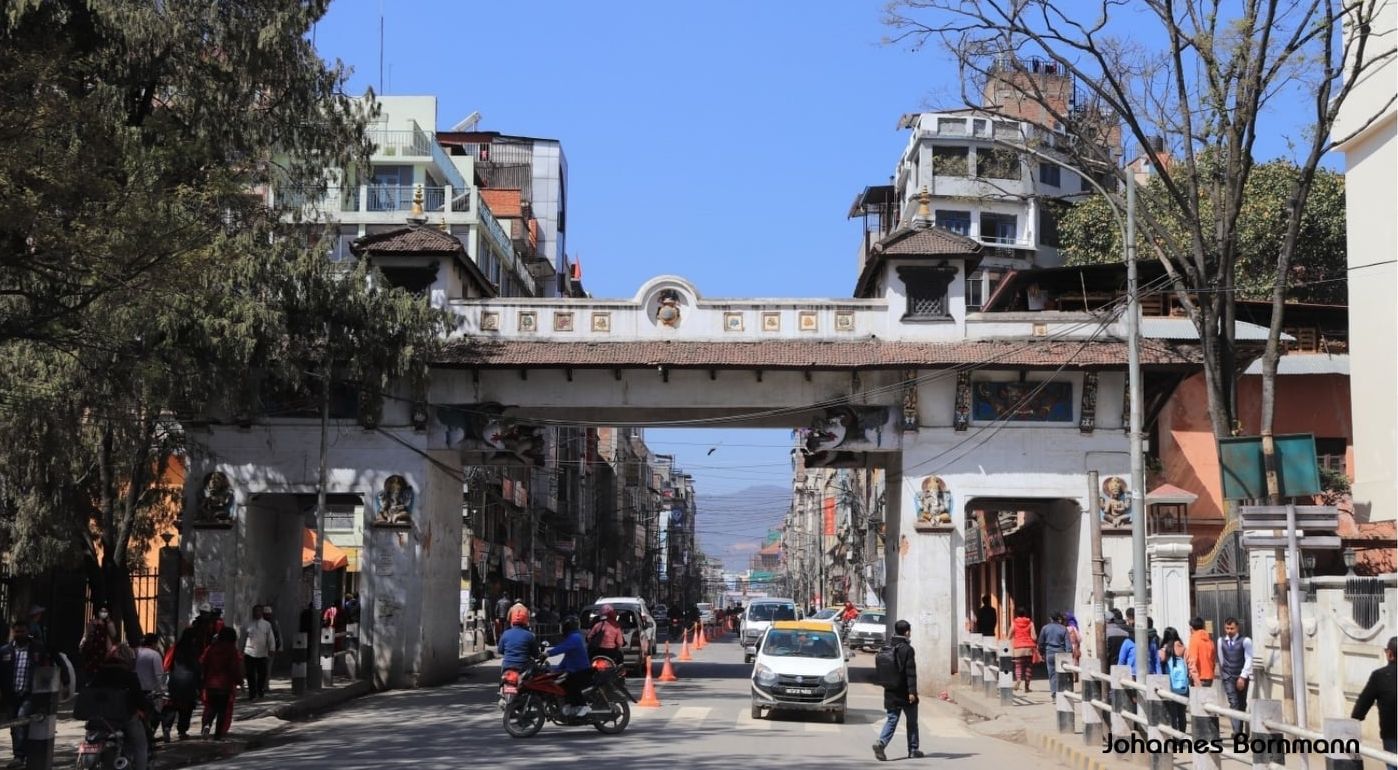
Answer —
18 661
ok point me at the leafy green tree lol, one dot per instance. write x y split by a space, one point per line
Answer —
144 279
1317 266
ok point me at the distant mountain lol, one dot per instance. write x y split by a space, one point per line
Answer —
732 526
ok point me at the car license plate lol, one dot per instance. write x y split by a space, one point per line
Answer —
800 691
511 689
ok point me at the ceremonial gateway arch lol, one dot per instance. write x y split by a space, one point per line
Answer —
987 424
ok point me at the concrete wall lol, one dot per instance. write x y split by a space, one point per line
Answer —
1339 654
410 579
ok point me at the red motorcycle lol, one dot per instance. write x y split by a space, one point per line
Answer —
539 698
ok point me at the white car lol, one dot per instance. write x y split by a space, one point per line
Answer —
867 632
757 616
637 626
800 667
706 613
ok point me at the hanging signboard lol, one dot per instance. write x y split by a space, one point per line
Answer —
975 549
1240 459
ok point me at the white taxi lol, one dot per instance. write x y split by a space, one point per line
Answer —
800 667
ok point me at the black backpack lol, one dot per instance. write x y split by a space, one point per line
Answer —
887 673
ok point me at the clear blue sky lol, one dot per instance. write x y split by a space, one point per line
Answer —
718 140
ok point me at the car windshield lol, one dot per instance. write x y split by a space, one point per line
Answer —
801 644
876 618
770 612
824 615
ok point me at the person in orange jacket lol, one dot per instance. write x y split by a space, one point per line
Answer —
1200 655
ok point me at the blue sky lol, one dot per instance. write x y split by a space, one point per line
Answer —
718 140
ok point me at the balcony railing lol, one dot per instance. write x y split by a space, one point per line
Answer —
379 199
1003 240
411 142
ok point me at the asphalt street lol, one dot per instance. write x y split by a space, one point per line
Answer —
703 724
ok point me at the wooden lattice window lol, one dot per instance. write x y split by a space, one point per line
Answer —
926 289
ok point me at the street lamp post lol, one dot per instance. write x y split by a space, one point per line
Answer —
1135 387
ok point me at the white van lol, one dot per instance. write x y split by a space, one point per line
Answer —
758 616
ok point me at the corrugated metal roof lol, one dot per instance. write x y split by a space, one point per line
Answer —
1306 363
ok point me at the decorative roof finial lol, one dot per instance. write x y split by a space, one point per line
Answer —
417 200
446 228
924 199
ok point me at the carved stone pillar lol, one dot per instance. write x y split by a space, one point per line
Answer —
1169 579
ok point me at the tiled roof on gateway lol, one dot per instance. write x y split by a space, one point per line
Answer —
780 354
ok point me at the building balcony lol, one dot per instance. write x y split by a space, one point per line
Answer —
410 143
380 204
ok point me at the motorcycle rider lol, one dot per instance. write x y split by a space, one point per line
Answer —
850 612
518 645
117 674
576 665
606 637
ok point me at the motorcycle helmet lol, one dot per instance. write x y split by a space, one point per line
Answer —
570 624
519 615
608 612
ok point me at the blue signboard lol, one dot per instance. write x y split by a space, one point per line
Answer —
1244 478
1022 401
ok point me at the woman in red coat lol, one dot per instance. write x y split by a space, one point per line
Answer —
222 667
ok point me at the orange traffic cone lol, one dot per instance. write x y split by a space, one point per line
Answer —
685 657
667 673
704 632
698 637
648 698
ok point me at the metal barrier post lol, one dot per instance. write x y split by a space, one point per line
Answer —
1336 732
1158 714
327 656
1263 711
1121 701
41 733
1060 701
964 658
1007 676
992 669
1204 726
1092 730
977 665
299 654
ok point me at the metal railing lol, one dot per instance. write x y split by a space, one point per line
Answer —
1131 708
392 142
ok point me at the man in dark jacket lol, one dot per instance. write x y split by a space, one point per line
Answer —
1381 690
1053 640
901 700
1116 635
18 661
986 617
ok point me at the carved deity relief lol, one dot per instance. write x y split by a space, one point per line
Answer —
394 503
1115 502
668 313
934 501
216 500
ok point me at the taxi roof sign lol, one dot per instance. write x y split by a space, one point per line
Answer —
801 625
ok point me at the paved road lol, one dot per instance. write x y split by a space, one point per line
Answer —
704 724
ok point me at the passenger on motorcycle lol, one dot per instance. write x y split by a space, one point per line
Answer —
606 637
518 646
850 613
117 675
576 665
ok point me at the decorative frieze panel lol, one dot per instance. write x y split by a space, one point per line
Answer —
1087 417
961 416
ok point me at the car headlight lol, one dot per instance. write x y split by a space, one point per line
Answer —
835 677
766 676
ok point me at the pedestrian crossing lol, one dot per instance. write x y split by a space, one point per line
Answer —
859 721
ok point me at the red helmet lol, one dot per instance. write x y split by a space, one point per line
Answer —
608 612
519 615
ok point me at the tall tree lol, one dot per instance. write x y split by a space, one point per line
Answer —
143 276
1201 75
1318 271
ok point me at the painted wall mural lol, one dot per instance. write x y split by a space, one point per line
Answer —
1022 401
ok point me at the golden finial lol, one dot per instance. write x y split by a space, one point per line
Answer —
417 200
924 200
446 228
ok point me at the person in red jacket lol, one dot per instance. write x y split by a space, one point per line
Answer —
222 667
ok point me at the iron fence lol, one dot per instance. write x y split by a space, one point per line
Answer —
1365 596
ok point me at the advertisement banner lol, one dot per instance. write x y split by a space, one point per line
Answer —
829 510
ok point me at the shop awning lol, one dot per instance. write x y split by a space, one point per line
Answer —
334 557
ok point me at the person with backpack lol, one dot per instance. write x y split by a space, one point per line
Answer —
895 666
1171 658
1053 641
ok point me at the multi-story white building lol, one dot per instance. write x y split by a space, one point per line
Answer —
408 154
1370 133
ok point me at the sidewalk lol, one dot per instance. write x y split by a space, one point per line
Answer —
1034 718
255 724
